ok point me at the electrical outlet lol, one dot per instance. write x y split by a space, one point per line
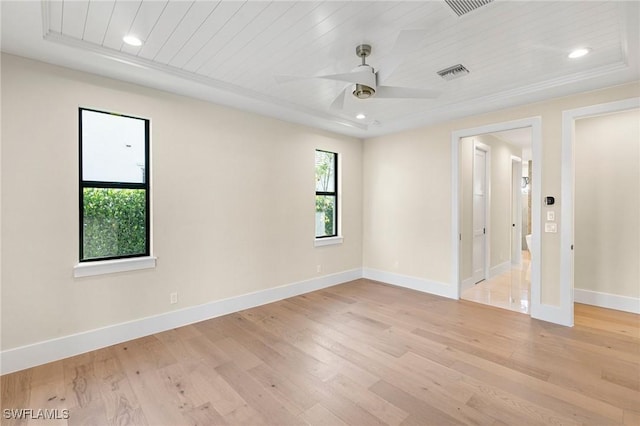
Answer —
319 268
173 298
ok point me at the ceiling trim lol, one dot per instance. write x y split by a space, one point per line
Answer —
551 84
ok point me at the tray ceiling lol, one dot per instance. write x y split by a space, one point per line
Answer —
228 52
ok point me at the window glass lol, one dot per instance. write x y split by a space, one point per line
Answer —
113 148
326 194
114 186
325 171
114 222
325 216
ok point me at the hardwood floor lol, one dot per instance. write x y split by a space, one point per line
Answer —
361 353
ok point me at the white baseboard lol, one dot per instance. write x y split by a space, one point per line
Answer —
607 300
420 284
500 269
55 349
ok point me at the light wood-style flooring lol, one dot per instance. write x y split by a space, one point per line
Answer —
361 353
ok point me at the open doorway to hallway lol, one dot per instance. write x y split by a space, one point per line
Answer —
495 181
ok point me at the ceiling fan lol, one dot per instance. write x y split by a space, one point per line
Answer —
365 82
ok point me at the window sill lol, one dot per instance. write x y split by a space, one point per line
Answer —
329 241
101 267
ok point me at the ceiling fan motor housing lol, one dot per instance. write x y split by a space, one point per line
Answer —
367 87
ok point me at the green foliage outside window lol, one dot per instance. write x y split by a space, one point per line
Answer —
326 205
113 222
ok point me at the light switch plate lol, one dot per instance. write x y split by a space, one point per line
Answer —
551 216
551 227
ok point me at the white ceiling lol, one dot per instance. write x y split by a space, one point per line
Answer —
228 52
518 137
521 138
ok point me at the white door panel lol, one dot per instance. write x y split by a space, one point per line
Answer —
479 214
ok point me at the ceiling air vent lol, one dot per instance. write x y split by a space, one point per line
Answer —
453 72
462 7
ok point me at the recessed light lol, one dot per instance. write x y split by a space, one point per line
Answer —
361 116
578 53
132 40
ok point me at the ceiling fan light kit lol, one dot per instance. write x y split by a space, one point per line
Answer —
362 91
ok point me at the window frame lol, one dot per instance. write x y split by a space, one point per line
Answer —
334 194
145 185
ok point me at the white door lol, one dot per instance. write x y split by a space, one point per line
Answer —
479 214
516 210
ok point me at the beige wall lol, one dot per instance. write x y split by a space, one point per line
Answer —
500 209
233 204
407 193
607 204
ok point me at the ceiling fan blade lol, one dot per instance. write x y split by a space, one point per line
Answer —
408 42
338 102
391 92
364 76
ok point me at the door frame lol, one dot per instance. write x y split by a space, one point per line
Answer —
567 177
479 146
535 123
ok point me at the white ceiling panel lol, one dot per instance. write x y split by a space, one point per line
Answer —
190 24
97 20
170 20
219 17
122 16
55 15
253 29
268 39
230 52
237 23
143 24
74 14
266 55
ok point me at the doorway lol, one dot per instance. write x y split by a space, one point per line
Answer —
601 293
509 277
498 276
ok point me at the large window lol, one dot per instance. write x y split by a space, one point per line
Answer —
114 186
326 194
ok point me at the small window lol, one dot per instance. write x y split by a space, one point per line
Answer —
326 194
114 186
